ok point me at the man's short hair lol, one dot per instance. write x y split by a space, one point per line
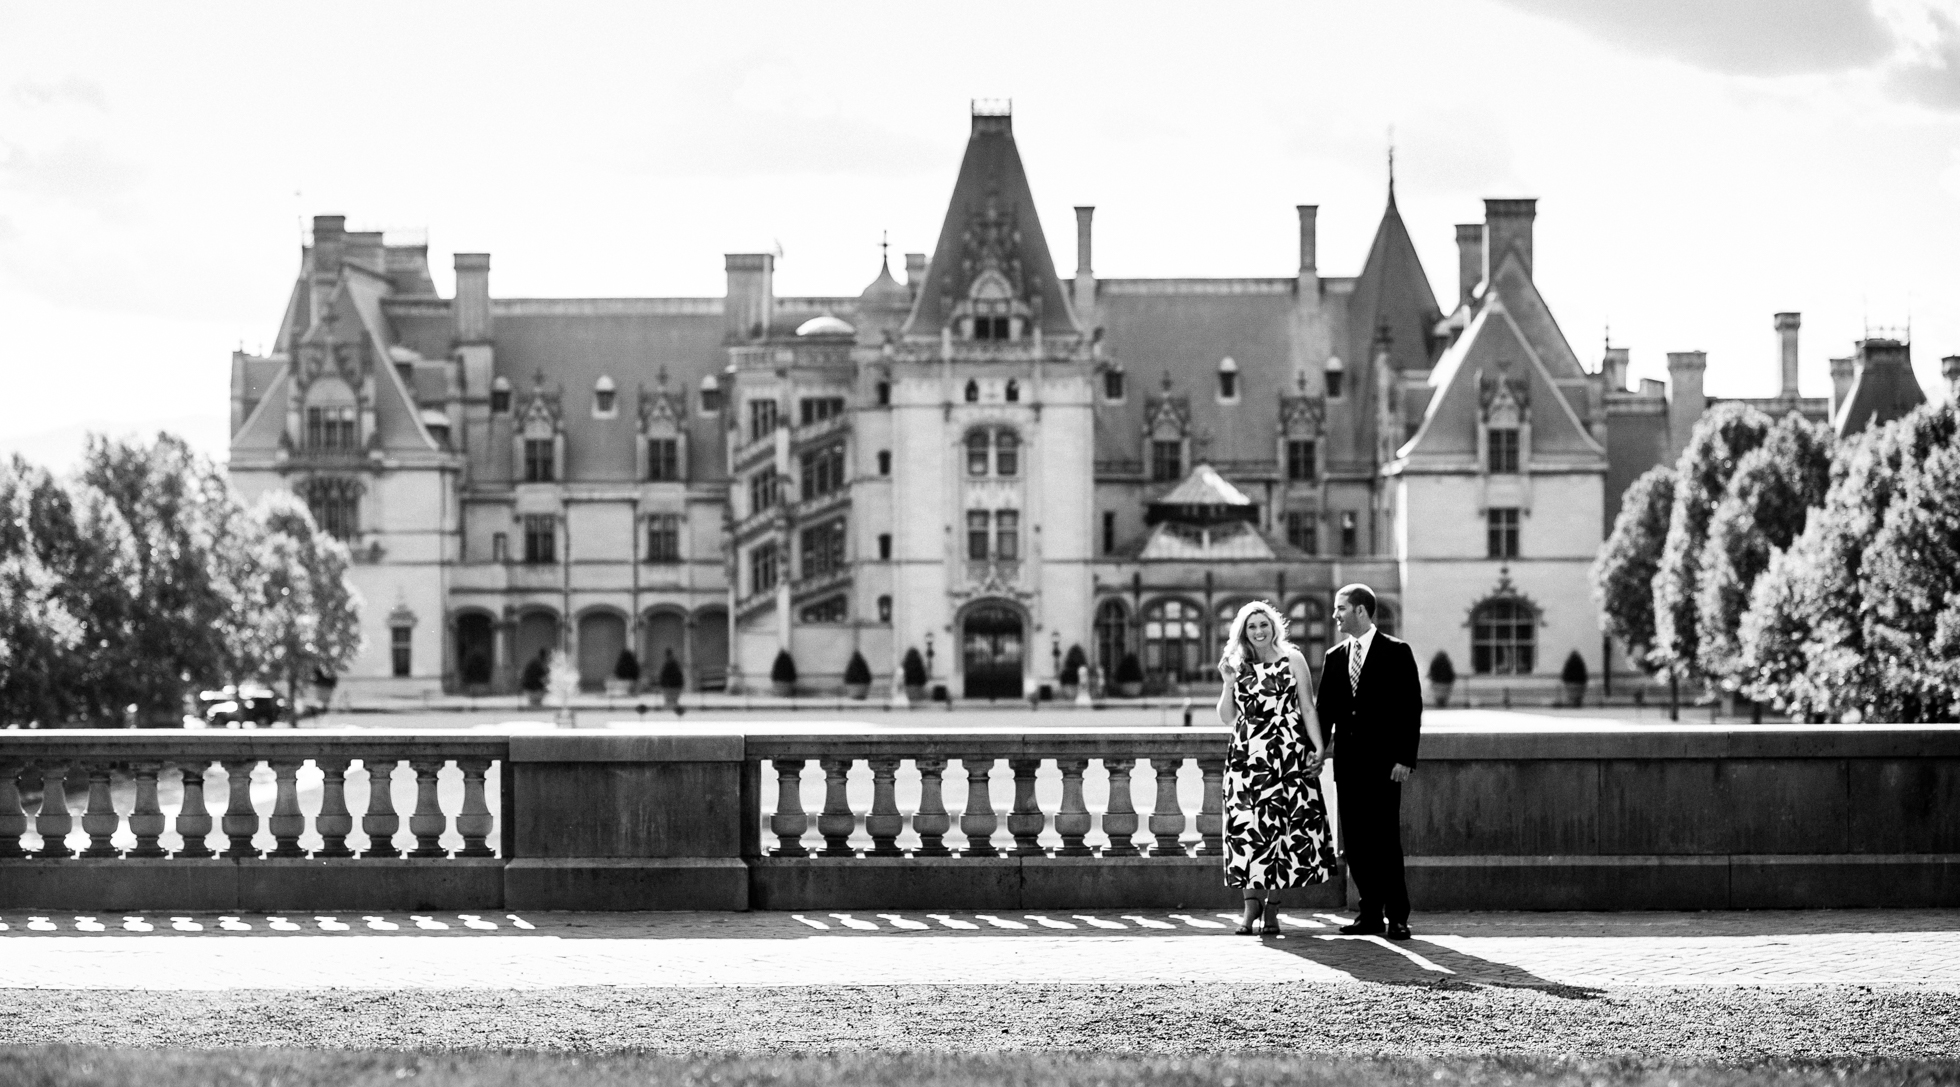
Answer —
1359 595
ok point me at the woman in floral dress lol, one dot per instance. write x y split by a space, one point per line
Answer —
1276 832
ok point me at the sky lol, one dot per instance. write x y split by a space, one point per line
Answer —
1699 165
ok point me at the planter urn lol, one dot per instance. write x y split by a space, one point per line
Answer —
857 691
1441 692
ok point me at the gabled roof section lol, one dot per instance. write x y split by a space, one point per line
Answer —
991 222
1232 541
266 425
1528 308
1204 487
1393 290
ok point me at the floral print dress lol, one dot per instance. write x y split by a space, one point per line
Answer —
1276 832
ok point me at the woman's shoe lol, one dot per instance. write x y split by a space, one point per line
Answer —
1244 930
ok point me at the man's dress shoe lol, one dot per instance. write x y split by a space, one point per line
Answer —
1363 928
1398 930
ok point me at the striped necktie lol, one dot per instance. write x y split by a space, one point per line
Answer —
1354 665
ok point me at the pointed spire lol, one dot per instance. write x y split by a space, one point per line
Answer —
1391 166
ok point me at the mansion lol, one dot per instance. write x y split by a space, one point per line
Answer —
986 461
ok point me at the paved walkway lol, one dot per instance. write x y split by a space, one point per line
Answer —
1917 950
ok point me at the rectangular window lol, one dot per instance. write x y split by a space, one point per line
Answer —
885 546
1109 532
1501 533
499 547
823 549
1166 461
1112 384
976 453
1334 384
1300 467
762 568
403 650
762 419
1503 450
990 328
538 460
1007 453
1303 530
663 460
1350 534
540 538
976 535
331 429
815 409
1007 535
833 610
499 400
763 490
664 537
823 471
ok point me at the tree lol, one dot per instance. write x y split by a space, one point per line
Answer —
37 630
86 546
1763 510
1623 573
914 667
1441 668
1720 439
1072 666
858 671
194 570
784 670
1911 588
307 613
671 678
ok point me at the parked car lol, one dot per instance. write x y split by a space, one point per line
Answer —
242 706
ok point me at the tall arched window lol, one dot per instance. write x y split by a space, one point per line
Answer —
1112 637
972 391
1503 637
1173 641
1385 616
996 451
1221 627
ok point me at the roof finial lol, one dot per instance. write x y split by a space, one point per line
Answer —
885 248
1391 163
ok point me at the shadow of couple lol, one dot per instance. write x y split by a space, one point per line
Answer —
1416 962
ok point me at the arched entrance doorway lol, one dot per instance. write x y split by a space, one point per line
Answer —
991 641
475 650
537 632
665 634
601 636
711 649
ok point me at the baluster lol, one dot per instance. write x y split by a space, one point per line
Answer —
931 822
979 822
194 818
380 823
13 820
1167 820
790 821
475 822
428 822
100 820
241 821
1026 820
1211 817
287 823
884 822
837 820
334 822
146 817
1072 822
1119 821
54 822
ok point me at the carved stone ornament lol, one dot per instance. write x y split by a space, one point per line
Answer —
1302 416
660 408
1501 390
543 405
1167 416
991 242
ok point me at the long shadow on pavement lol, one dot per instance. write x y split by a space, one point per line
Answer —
1372 958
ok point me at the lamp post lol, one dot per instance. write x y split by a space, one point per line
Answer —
1055 651
928 656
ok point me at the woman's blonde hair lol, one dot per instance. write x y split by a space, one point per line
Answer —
1237 649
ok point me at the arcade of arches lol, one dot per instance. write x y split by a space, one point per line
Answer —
698 644
1176 642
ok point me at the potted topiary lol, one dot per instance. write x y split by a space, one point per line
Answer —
1129 677
782 674
914 668
625 675
1442 678
1574 675
1072 666
533 678
671 681
857 677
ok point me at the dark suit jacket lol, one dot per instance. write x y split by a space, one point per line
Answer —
1378 724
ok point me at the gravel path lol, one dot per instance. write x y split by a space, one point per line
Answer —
1703 1023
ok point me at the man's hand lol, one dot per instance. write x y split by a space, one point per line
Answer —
1400 773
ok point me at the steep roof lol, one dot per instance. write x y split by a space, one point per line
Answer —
1393 290
991 218
1884 389
1204 487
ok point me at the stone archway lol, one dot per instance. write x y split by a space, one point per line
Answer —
663 633
476 651
537 631
709 639
993 649
601 638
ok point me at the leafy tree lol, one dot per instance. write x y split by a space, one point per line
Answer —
858 671
37 630
1441 668
536 671
914 667
784 669
1072 666
195 571
1719 441
307 613
85 544
1574 671
671 678
1623 573
1764 509
627 667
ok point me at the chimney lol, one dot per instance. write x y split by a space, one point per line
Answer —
471 310
1469 260
329 243
915 272
1614 366
1950 370
1685 400
1786 336
1843 371
751 301
1085 274
1507 227
1308 214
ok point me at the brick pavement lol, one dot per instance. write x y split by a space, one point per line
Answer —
501 950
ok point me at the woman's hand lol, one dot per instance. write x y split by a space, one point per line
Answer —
1226 670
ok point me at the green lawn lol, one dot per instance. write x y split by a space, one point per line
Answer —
75 1066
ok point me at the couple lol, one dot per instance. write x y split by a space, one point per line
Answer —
1370 702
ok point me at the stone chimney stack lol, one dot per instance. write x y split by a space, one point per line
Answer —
471 310
1309 266
1469 260
1085 273
1614 367
1685 399
1786 335
1843 372
329 244
1507 227
1950 370
751 301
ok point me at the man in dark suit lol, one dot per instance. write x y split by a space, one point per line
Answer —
1370 703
